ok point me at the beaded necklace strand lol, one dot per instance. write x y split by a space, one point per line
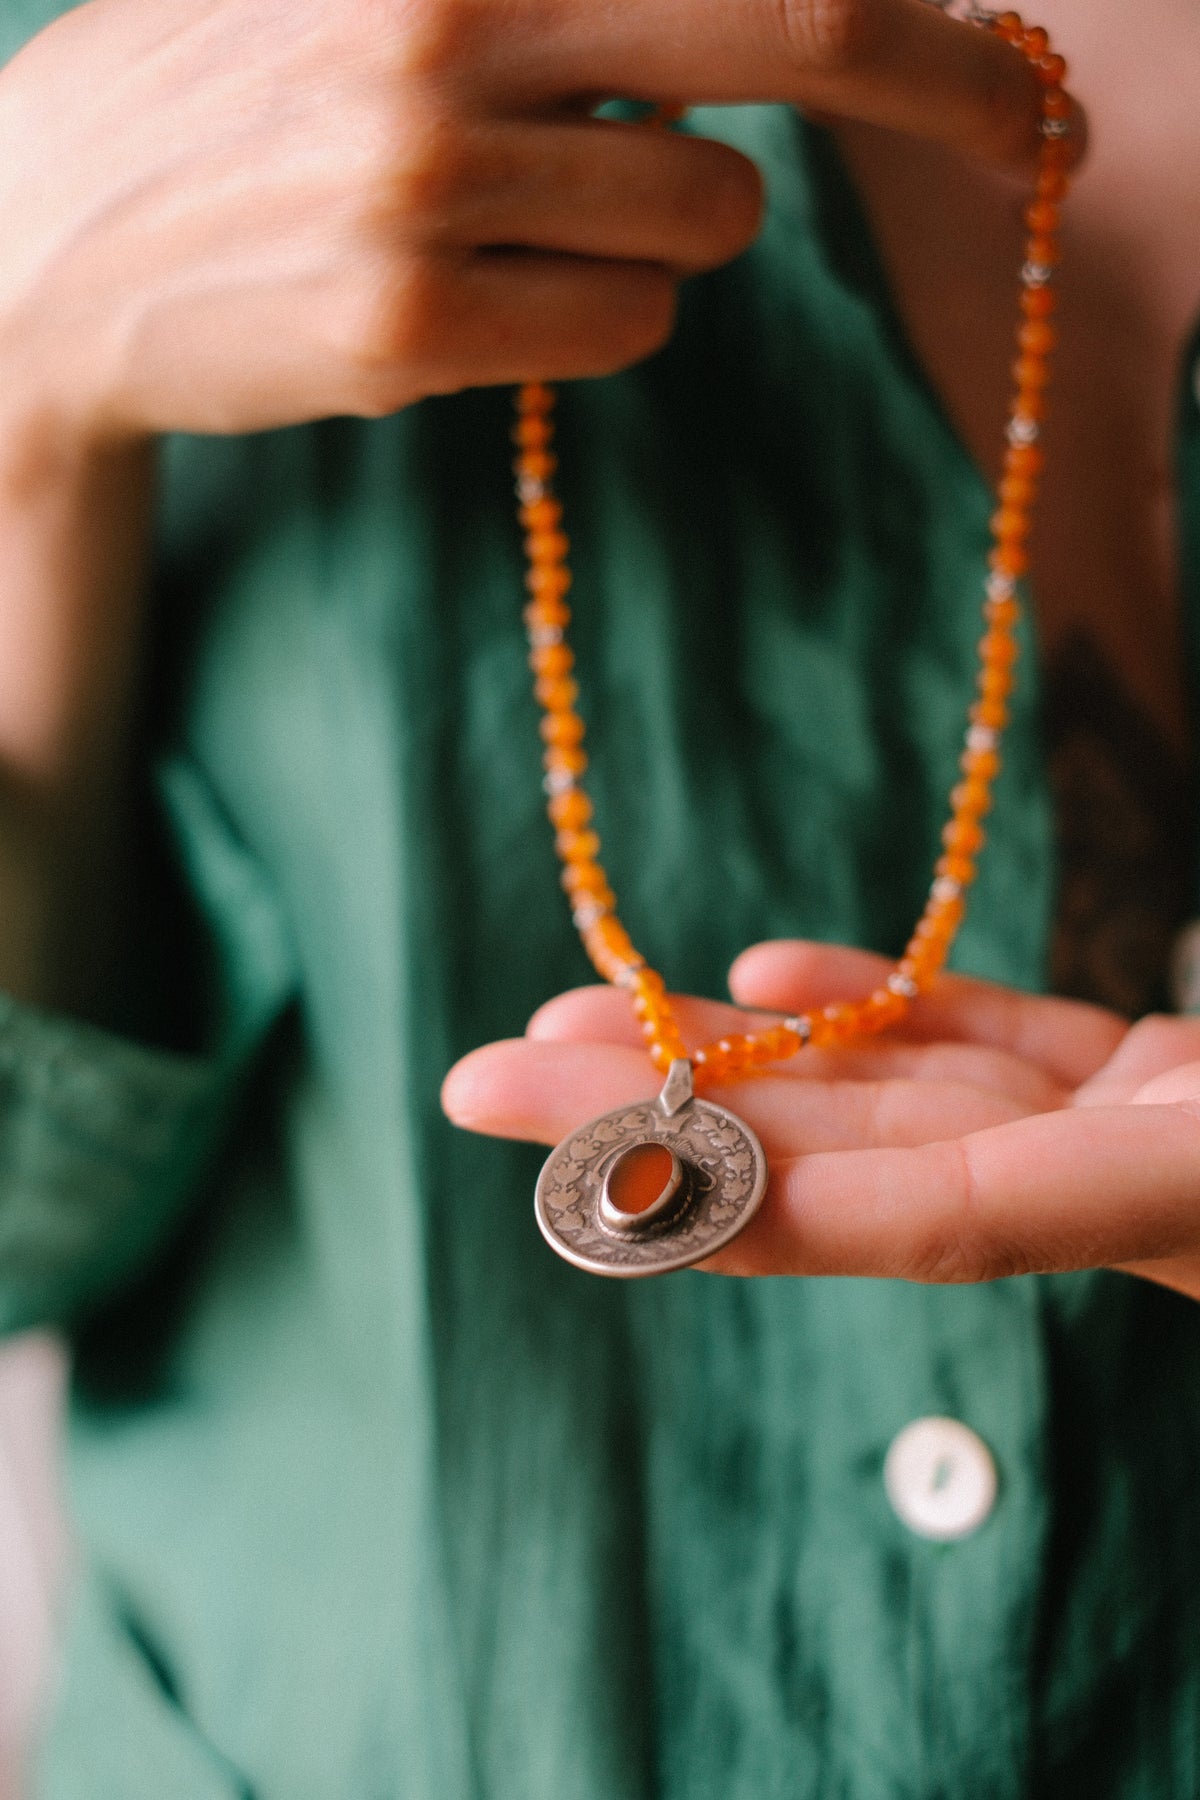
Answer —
547 616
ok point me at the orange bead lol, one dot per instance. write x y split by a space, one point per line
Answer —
548 581
536 397
536 465
992 713
956 868
547 546
1052 70
1017 490
1056 104
1029 403
540 515
577 846
980 765
1031 372
1036 337
569 811
1038 302
881 1009
1035 42
1041 216
1042 250
1008 559
1009 25
1023 459
546 610
1011 524
970 799
532 432
1056 153
667 1051
551 659
649 981
1052 184
565 759
996 683
556 693
998 648
562 729
963 837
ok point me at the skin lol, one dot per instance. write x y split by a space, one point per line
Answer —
1001 1133
224 215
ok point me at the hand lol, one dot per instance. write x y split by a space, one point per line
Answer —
1000 1134
222 215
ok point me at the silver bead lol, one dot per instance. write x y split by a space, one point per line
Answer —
1055 128
946 888
981 737
530 490
1035 275
999 586
903 984
584 917
801 1027
558 781
1022 429
541 636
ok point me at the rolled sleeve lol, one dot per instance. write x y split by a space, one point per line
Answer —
102 1140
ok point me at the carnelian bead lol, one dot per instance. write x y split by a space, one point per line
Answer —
1023 459
1029 403
556 693
995 683
577 846
1052 70
1002 615
569 811
1031 372
1042 216
962 837
548 581
1011 524
551 659
998 648
1042 250
546 609
1035 42
1009 559
980 765
1017 490
1056 153
955 868
536 397
541 515
536 465
584 878
992 713
1036 337
1056 104
881 1009
1009 25
649 981
774 1044
1038 302
970 799
667 1051
532 432
563 729
1052 184
547 546
565 759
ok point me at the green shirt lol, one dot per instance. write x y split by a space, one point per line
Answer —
377 1498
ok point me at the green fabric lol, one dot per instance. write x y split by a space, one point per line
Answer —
379 1499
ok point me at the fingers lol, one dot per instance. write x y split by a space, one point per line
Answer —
1064 1190
541 1091
1152 1061
604 1015
896 63
1070 1040
596 188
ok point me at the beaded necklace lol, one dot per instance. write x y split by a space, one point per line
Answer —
661 1185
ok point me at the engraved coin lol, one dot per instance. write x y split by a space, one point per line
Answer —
651 1187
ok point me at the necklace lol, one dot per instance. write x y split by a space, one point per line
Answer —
665 1183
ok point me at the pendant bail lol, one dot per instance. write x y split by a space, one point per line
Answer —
677 1089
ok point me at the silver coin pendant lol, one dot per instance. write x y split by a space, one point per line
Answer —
651 1187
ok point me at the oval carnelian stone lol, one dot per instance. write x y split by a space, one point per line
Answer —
641 1175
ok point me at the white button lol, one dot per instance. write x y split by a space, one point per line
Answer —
1185 969
940 1479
